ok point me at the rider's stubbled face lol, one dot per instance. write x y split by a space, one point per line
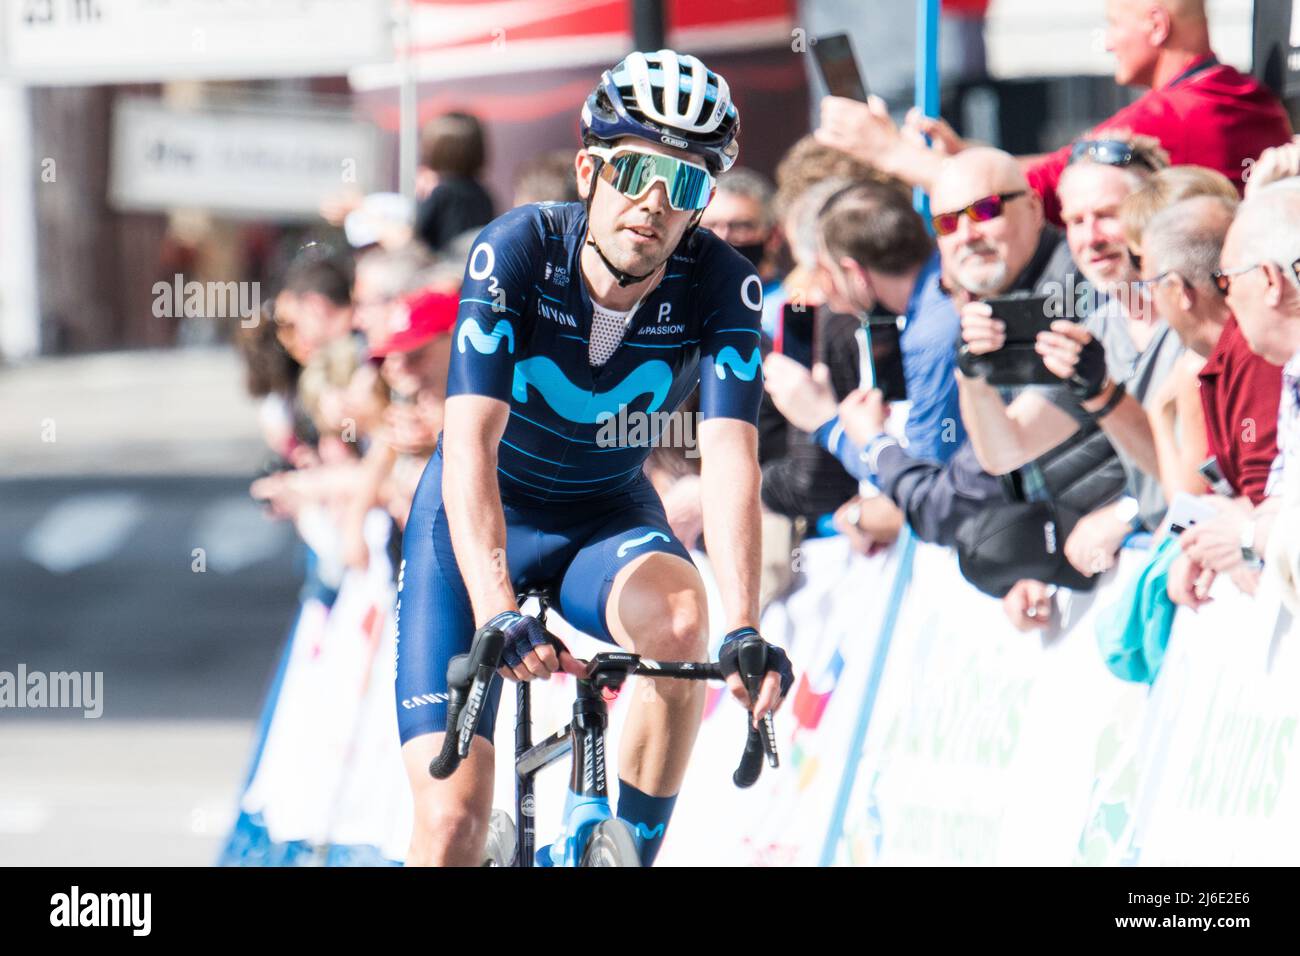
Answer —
637 235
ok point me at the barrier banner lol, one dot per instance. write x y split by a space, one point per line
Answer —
922 729
1227 793
985 745
829 626
330 777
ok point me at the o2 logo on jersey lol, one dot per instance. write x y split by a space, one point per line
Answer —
481 263
757 292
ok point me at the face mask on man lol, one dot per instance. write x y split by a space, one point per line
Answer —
753 251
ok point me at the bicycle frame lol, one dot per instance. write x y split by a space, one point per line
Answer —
587 801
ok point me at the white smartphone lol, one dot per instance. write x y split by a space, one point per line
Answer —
1187 511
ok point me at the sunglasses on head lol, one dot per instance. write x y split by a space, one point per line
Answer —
981 210
633 173
1108 152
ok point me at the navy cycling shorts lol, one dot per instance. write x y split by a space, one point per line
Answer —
572 548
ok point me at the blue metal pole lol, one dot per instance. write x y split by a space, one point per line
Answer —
927 77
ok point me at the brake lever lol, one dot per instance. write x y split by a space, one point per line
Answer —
751 658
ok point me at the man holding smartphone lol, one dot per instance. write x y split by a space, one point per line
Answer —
1141 353
875 251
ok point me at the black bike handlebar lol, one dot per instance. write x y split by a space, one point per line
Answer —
469 677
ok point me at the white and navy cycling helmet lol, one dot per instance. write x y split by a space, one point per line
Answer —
669 98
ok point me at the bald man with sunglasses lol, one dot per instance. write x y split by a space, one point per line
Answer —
1009 436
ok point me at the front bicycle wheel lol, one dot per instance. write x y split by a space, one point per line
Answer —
612 843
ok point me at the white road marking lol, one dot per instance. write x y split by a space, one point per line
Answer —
234 534
83 530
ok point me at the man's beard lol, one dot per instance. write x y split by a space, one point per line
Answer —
980 279
987 281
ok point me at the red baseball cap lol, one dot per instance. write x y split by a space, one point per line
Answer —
426 316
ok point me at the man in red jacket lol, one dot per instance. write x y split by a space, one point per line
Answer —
1203 112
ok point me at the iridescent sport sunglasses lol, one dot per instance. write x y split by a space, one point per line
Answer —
633 172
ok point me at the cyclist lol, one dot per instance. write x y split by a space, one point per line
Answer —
572 314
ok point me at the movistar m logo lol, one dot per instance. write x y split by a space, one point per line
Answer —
555 315
485 343
645 833
729 358
627 546
584 407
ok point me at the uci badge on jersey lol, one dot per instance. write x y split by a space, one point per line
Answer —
633 173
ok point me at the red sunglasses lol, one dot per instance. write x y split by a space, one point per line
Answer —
981 210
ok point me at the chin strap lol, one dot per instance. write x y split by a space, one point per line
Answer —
624 278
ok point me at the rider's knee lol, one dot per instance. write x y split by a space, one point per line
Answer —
680 632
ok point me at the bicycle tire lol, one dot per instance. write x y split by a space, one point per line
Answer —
611 843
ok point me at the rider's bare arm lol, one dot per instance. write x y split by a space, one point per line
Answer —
471 434
730 480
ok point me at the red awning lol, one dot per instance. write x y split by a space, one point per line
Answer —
455 39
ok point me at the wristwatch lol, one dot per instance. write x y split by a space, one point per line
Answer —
1116 396
968 363
1129 511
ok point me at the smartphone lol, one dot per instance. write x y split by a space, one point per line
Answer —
879 343
1210 471
838 67
1024 316
1187 511
796 334
1017 362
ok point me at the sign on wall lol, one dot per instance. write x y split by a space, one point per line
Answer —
141 41
241 161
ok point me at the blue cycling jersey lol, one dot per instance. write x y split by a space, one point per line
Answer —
522 337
